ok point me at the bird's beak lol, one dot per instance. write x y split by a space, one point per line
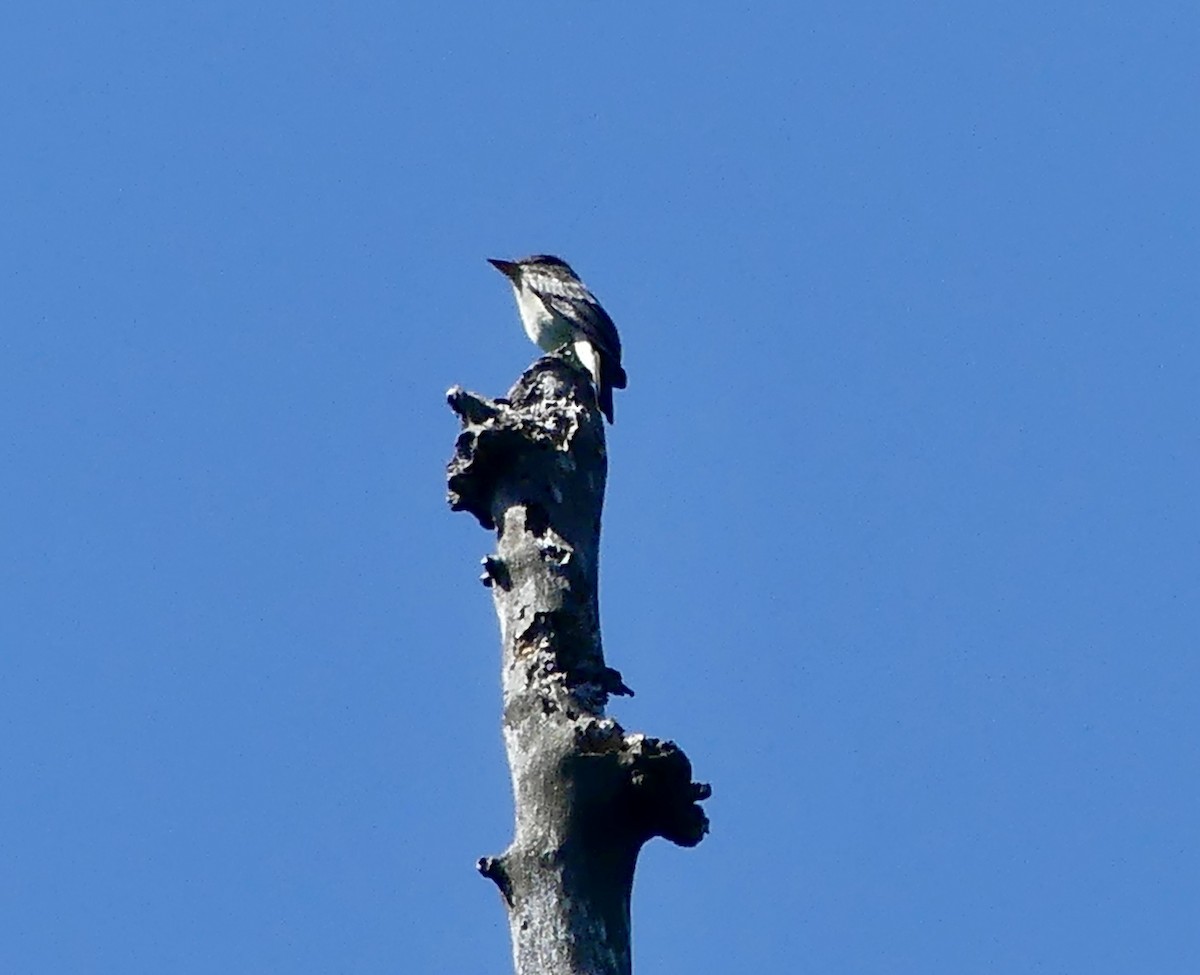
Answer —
508 268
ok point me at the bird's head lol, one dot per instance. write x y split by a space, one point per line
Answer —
535 262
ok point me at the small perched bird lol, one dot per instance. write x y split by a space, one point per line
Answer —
557 309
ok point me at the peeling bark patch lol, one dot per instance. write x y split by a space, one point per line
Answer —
537 635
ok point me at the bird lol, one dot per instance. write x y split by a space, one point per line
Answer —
557 309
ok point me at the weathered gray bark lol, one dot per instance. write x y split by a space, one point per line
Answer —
587 794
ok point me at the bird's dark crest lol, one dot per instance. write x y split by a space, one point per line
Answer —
549 259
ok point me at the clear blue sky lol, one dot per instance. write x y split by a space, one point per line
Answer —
903 535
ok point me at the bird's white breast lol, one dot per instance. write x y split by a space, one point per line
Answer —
545 329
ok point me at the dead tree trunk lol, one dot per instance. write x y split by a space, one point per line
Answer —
587 793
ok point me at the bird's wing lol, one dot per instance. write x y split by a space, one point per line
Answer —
571 300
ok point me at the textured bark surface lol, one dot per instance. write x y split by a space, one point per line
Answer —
587 793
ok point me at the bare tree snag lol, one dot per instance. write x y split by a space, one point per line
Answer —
587 794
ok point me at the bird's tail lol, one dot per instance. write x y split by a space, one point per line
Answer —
604 398
611 377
